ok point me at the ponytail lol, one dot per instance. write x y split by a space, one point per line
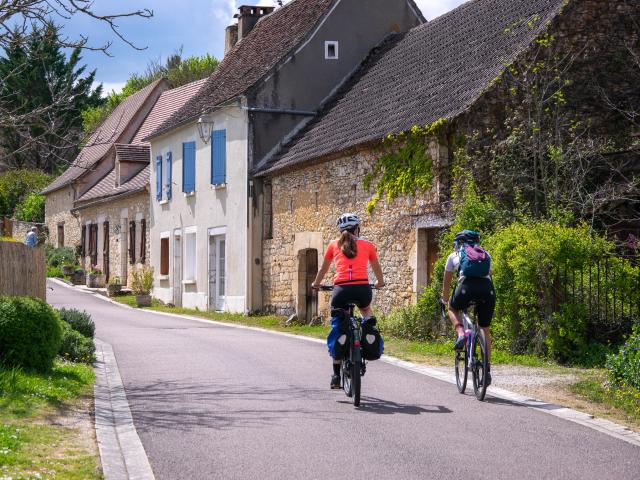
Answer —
348 244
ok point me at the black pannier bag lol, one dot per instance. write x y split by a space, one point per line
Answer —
371 342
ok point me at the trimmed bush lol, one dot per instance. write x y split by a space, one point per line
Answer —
54 272
75 346
56 257
80 321
624 367
30 333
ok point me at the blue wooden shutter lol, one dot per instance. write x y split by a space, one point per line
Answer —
168 175
159 177
218 157
189 167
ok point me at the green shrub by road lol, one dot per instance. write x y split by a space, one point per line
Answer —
30 333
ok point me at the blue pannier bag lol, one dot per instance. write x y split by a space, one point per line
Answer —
474 261
337 339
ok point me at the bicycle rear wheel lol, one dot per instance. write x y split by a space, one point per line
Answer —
462 372
347 384
355 382
479 365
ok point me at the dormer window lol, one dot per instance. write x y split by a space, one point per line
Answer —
331 50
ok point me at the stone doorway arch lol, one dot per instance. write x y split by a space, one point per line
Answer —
307 297
308 248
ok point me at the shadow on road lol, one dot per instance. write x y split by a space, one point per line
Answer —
188 406
387 407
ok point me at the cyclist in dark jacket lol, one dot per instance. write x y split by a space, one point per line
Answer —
478 290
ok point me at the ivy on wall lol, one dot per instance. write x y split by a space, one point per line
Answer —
404 166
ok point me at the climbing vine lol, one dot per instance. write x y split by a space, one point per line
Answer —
404 166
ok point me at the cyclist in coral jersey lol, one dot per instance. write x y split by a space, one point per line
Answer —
351 256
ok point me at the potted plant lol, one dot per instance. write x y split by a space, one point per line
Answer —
95 277
113 287
68 269
78 277
141 285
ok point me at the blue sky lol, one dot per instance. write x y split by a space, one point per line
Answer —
196 25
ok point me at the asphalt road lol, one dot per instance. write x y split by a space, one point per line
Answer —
218 402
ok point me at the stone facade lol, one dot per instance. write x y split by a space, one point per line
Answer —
305 206
20 230
58 208
119 213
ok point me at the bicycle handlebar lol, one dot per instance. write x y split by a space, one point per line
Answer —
329 288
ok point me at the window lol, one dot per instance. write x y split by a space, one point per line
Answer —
331 50
61 235
164 256
218 157
105 249
143 241
189 167
83 241
132 242
93 243
190 255
159 178
167 185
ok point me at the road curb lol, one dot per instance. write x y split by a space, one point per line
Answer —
121 451
604 426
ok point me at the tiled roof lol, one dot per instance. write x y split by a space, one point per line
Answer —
133 153
269 42
106 186
436 70
169 103
104 137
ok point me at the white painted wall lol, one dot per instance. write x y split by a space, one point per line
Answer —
207 209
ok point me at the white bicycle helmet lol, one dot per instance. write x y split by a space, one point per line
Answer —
347 221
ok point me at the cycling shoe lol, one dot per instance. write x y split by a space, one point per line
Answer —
460 342
335 382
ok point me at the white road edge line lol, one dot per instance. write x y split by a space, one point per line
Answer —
121 451
604 426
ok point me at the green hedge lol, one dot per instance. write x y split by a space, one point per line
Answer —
75 346
30 333
624 367
80 321
57 257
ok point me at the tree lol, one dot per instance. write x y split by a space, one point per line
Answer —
48 94
16 185
18 20
177 70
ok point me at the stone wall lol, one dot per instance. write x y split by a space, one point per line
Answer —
20 230
306 204
58 205
118 212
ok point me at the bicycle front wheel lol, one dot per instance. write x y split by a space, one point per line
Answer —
479 364
462 372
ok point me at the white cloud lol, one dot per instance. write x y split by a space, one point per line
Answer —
434 8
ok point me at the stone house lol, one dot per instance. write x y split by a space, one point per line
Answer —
279 68
448 69
100 205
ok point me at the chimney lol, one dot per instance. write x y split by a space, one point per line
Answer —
230 37
248 16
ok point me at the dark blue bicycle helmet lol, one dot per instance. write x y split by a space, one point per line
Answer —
470 237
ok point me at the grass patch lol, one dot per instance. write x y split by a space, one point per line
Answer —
623 401
30 447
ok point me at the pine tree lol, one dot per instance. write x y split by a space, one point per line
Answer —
48 92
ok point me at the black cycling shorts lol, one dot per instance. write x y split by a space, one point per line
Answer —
360 295
479 291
